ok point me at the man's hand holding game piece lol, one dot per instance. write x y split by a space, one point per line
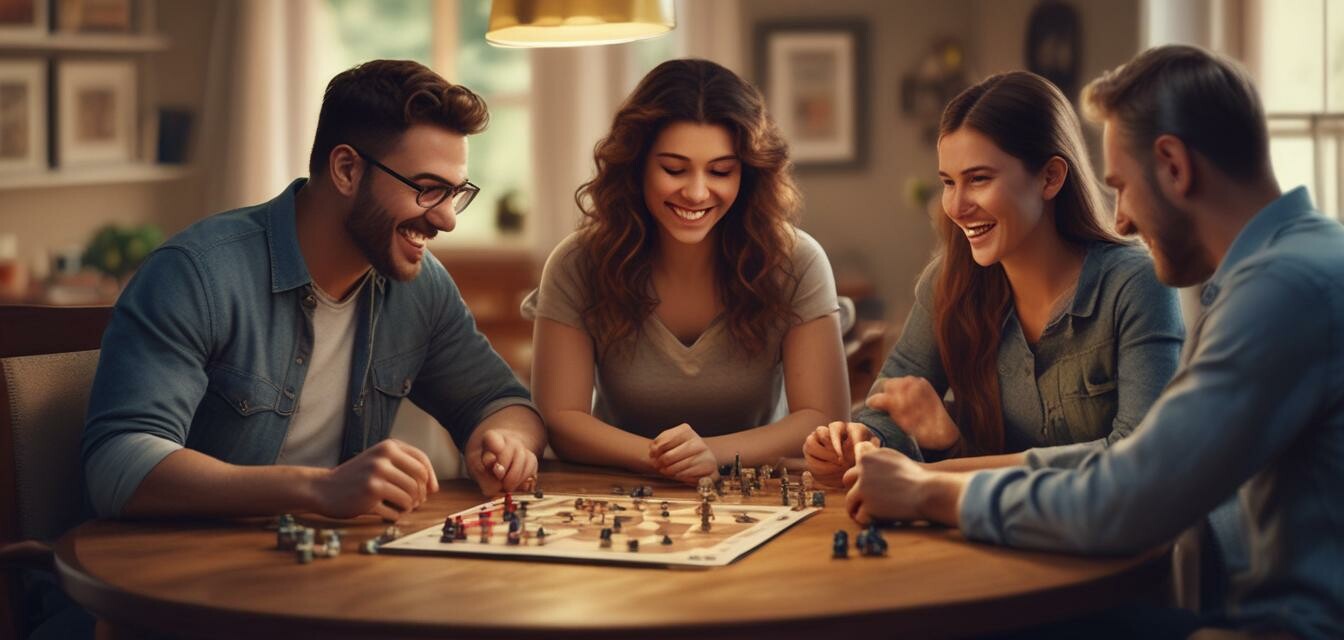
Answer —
885 485
502 462
916 408
829 450
387 479
681 454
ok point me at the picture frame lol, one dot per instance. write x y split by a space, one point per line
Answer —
96 114
23 115
814 77
23 17
104 16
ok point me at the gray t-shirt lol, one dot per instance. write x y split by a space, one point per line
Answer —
713 385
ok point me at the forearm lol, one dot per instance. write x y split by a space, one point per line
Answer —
579 437
191 483
767 444
975 463
517 420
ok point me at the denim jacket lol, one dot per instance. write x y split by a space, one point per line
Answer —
1090 378
208 346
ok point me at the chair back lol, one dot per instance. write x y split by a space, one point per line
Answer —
47 360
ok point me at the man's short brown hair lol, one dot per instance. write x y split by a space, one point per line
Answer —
1207 101
369 106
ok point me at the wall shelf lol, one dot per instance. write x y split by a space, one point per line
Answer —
84 42
83 176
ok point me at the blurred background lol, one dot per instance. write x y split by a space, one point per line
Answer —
124 121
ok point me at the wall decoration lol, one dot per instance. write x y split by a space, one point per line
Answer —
94 15
814 78
23 17
1054 44
23 115
96 112
937 77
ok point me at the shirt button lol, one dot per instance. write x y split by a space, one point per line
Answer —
1208 294
309 301
298 360
242 404
406 385
289 392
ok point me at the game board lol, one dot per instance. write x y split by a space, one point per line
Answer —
572 537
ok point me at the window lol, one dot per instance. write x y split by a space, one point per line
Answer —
1296 50
449 37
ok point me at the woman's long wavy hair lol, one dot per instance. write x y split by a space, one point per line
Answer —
1030 119
618 237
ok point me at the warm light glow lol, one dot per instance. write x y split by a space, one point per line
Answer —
576 23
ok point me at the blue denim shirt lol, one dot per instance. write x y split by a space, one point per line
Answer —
1089 380
1256 408
208 347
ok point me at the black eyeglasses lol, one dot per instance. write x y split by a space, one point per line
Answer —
430 197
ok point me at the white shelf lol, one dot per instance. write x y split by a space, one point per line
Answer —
83 176
90 42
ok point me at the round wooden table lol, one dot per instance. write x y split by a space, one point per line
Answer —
226 579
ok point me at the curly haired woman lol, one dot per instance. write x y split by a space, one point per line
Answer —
669 326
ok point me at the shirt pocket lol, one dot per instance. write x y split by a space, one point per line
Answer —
393 379
242 419
1089 395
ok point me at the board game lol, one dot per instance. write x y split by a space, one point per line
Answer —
605 529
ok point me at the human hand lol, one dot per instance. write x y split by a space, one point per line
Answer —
501 462
681 454
883 486
829 450
388 479
916 408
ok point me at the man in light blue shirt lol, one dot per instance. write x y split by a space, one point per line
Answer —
1257 405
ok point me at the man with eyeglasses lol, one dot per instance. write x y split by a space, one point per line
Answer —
255 363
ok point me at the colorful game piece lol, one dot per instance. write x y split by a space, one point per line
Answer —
667 539
541 536
513 536
784 494
819 499
870 542
332 543
705 487
840 547
461 533
370 547
632 544
538 494
616 524
706 514
605 539
807 481
389 534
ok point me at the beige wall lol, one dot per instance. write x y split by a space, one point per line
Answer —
861 216
46 218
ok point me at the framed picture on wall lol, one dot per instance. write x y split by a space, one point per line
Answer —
93 15
23 17
95 112
813 76
23 115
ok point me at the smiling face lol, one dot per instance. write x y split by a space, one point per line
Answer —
691 179
385 221
990 195
1141 209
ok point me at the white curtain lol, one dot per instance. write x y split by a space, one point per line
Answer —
270 99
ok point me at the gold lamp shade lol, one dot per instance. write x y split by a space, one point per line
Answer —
576 23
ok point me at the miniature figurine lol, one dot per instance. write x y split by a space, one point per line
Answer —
819 499
632 544
605 538
840 547
807 481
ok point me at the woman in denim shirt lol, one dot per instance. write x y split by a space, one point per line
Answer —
1053 336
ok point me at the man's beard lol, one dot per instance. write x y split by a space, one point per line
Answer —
373 229
1180 259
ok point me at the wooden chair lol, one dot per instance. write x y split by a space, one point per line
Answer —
47 360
